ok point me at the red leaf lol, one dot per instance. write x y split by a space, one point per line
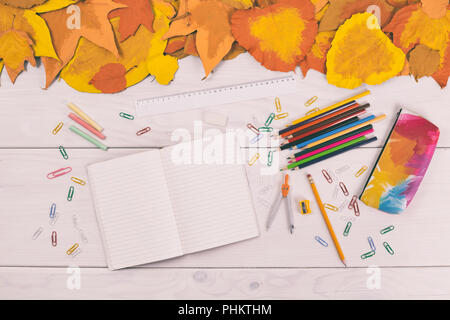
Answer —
110 78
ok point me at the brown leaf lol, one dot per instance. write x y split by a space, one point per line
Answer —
423 61
110 78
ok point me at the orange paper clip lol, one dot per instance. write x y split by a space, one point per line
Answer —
59 172
312 111
278 104
72 249
79 181
253 159
58 127
281 116
327 176
361 171
311 101
331 207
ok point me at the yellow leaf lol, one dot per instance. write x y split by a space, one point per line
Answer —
362 53
163 68
52 5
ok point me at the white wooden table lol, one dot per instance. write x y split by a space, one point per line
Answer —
275 265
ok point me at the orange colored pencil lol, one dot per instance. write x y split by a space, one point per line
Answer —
325 217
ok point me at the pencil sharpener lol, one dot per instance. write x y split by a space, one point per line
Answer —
304 207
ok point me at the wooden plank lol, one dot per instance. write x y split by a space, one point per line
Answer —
29 114
321 283
420 237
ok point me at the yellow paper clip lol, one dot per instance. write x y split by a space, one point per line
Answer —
79 181
58 127
361 171
72 249
278 104
331 207
311 101
304 207
312 111
281 116
253 159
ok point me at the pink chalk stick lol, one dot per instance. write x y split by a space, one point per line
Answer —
86 125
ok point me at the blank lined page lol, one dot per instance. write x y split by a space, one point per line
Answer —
212 204
133 210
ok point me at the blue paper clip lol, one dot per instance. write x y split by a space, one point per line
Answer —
256 138
372 245
53 211
321 241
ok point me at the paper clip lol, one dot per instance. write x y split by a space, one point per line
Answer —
311 101
63 152
256 138
59 172
278 104
347 228
387 229
368 255
72 249
361 171
343 188
356 208
304 207
70 194
126 116
350 205
37 233
52 210
312 111
54 219
342 169
327 176
371 243
331 207
269 119
142 131
281 116
79 181
321 241
54 239
252 128
76 252
265 129
388 248
270 158
253 159
58 127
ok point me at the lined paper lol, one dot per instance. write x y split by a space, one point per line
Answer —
133 210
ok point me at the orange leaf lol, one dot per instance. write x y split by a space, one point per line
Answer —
94 26
174 44
189 47
15 49
23 4
317 56
211 20
401 3
340 10
278 36
110 78
138 12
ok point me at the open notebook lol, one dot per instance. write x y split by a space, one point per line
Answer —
150 209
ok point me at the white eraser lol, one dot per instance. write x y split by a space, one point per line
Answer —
215 118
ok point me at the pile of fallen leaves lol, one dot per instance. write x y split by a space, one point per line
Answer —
109 45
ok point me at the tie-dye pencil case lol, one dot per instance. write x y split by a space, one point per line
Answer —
402 164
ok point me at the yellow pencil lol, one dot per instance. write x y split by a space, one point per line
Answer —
325 217
84 116
360 95
313 144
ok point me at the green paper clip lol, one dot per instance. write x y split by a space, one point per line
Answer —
368 255
70 194
269 119
63 152
388 248
270 158
387 229
265 129
347 228
126 116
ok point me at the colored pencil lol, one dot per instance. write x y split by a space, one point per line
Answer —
327 143
84 116
333 154
345 131
335 144
325 218
287 145
360 95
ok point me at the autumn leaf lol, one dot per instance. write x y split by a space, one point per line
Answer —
401 3
211 20
340 10
189 46
22 4
175 44
94 26
52 5
162 68
235 50
15 49
423 61
362 54
278 36
137 12
430 26
316 57
110 78
319 5
239 4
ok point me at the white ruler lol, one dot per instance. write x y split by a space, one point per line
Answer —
216 96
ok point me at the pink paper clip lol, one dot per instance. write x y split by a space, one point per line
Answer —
343 188
356 208
142 131
54 239
327 176
59 172
252 128
350 205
